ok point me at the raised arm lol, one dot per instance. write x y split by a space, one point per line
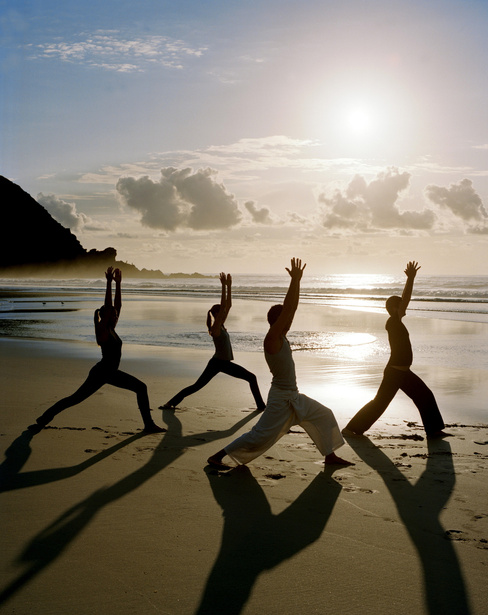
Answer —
109 275
292 298
101 330
410 271
225 303
273 339
228 298
118 291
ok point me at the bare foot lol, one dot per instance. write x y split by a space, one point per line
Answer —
154 429
217 462
439 434
167 406
333 459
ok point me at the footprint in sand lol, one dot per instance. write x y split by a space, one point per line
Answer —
481 443
354 489
455 535
479 543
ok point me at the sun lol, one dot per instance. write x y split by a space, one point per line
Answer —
359 121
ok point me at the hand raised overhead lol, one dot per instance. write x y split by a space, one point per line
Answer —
296 269
411 269
225 279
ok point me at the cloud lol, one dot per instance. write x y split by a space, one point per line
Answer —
478 230
276 145
461 199
260 216
181 199
367 207
246 160
108 50
62 211
296 218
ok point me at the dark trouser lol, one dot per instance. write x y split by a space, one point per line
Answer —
99 375
214 367
411 385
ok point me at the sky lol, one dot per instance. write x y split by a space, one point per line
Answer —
235 134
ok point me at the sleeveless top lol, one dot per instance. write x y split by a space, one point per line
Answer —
112 350
223 348
282 366
401 348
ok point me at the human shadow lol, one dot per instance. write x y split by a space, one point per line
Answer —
254 539
19 451
50 543
419 507
16 456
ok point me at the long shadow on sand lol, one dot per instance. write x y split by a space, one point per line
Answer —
50 543
419 507
19 451
254 539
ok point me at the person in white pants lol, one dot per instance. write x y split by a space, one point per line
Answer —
285 405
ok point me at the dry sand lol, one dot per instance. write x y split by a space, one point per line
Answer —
97 518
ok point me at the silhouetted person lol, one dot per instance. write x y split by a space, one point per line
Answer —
285 405
107 370
397 374
222 360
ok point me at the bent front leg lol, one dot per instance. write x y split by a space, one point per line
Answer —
425 401
122 380
237 371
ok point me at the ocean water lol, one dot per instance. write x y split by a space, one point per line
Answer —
338 334
337 312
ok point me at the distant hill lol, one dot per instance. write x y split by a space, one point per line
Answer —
33 243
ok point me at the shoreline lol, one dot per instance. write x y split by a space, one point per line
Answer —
343 380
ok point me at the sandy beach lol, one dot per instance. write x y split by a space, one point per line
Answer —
98 518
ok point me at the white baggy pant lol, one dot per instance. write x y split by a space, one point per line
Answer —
285 408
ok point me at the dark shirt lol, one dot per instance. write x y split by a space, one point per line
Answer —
223 348
401 348
112 351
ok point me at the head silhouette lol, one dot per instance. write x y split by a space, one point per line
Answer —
108 315
212 313
392 304
274 313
